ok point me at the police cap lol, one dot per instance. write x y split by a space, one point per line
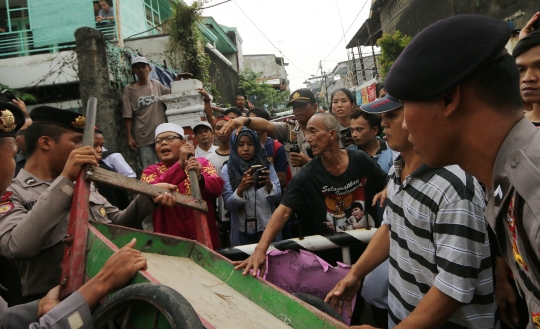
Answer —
11 119
444 54
302 96
64 118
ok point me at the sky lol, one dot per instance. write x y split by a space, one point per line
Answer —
305 31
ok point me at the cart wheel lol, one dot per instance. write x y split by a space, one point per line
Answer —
319 304
146 305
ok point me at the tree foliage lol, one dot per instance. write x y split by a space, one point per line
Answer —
185 49
260 93
27 98
391 46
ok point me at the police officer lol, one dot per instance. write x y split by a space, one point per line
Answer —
116 271
34 211
463 106
291 133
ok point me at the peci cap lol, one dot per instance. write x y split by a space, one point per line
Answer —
172 127
444 54
381 105
201 123
64 118
139 59
11 119
302 95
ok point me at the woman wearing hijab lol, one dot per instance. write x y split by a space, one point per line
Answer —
249 194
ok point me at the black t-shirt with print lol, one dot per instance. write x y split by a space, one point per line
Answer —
320 197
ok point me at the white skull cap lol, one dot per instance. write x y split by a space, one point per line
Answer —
170 127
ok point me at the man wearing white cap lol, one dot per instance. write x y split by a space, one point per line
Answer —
143 111
176 159
204 135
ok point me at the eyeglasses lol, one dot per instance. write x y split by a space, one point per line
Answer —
169 139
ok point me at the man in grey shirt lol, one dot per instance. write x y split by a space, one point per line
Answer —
143 111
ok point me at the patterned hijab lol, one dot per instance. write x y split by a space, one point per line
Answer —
236 165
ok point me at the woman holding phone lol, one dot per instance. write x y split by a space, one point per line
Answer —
343 102
251 188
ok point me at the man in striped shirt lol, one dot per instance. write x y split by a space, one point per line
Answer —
435 236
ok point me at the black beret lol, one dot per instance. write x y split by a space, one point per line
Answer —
530 41
444 54
64 118
11 119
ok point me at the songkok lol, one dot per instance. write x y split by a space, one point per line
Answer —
11 119
172 127
64 118
444 54
381 105
525 44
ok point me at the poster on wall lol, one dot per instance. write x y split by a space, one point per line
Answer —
365 99
358 97
372 92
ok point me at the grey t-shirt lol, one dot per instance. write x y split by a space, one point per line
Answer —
142 105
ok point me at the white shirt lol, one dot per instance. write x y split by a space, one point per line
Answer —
117 163
200 153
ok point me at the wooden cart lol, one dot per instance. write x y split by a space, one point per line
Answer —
187 284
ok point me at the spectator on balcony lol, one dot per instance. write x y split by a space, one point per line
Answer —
106 14
143 111
3 26
97 9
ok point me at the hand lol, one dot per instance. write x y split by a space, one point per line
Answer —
298 159
330 226
264 178
204 93
78 158
237 124
99 19
383 195
528 28
20 104
166 199
193 164
132 143
255 262
116 272
48 302
186 151
245 184
344 291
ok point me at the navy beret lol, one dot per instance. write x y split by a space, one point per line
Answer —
64 118
444 54
11 119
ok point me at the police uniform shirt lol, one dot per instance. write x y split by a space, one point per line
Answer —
517 164
34 216
285 132
73 312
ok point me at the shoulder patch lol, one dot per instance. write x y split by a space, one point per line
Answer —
6 196
6 207
500 189
29 180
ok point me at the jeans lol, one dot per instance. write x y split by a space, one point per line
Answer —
147 155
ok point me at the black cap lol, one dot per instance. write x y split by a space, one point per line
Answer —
11 119
302 95
444 54
64 118
381 105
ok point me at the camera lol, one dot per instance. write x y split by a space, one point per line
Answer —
294 147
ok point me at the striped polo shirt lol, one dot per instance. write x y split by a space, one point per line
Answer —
438 236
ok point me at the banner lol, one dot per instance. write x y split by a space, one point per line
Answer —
372 92
365 98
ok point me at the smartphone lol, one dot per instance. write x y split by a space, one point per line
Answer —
536 25
254 169
8 94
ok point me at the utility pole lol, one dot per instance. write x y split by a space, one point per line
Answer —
323 75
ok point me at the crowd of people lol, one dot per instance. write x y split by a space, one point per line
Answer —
444 163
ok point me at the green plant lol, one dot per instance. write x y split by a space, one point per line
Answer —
185 49
260 93
27 98
391 46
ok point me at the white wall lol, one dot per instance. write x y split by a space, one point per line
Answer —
21 72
